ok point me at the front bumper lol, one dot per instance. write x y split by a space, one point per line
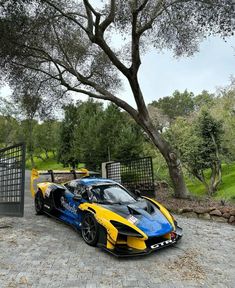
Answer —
124 251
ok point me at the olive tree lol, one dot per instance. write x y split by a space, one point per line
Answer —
198 140
70 43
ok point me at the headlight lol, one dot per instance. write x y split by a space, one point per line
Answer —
125 230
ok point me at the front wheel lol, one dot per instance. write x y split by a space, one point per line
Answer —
90 229
39 202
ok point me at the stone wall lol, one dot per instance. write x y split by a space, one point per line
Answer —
223 214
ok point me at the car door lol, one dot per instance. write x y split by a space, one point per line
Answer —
70 205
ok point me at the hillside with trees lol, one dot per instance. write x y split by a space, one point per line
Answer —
202 133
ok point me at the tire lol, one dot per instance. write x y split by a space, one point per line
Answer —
90 229
38 203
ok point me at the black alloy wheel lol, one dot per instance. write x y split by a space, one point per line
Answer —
90 229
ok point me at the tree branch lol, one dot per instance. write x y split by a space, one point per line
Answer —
156 13
110 97
89 9
142 6
103 94
61 46
89 6
68 16
36 69
99 40
110 17
135 45
149 24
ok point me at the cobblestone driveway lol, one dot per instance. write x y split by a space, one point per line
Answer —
38 251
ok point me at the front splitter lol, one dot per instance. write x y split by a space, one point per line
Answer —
130 252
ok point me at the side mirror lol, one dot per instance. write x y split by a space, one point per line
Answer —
137 193
77 197
85 194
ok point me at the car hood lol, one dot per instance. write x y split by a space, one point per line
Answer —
143 214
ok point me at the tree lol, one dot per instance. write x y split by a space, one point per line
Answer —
224 110
29 98
210 131
88 132
8 108
123 138
29 105
204 100
9 128
91 135
46 137
179 104
159 118
199 143
71 43
67 147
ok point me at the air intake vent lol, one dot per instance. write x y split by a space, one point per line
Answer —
133 211
150 209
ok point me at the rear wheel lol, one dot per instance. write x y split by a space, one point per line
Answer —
39 202
90 229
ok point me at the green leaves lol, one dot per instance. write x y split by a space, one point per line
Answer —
91 134
179 104
198 142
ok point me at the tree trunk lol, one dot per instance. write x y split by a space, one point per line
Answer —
176 174
32 160
215 178
46 153
201 177
30 139
173 162
216 174
143 119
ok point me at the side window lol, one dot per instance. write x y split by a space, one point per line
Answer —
72 186
78 189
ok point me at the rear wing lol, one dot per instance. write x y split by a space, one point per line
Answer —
35 174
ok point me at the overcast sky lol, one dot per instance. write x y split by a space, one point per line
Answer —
208 69
161 74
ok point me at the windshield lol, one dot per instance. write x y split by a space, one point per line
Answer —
112 194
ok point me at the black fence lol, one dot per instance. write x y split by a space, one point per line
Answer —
12 178
134 174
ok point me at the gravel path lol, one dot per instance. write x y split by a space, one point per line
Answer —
38 251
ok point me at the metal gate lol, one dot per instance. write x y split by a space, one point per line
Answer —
12 178
134 174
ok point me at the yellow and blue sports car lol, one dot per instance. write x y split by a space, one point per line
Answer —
108 215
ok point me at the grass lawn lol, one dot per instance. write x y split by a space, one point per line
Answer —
48 164
226 189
